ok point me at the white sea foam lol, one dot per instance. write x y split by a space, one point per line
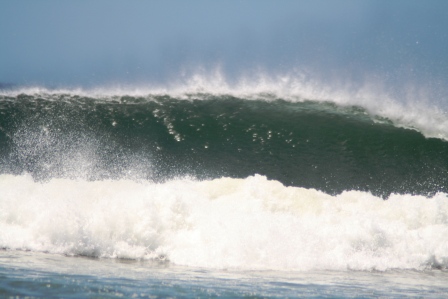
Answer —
251 223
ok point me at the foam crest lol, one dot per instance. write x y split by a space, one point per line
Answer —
251 223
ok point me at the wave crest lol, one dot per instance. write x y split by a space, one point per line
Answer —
409 107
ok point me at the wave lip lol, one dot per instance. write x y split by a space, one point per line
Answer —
411 107
250 223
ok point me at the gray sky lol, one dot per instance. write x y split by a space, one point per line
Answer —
97 42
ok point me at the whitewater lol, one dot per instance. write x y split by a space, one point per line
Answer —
278 187
250 224
153 149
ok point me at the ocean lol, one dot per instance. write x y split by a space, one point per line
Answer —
221 192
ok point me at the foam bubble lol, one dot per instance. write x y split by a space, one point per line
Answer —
251 223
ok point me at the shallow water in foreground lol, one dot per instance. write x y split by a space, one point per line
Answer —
40 275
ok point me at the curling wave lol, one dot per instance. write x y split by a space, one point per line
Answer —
306 143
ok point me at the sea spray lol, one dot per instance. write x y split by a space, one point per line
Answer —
307 143
414 106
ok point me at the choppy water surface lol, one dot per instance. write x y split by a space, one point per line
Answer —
35 275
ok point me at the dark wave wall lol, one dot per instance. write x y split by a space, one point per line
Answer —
307 144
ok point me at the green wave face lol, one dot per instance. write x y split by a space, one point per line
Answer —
307 144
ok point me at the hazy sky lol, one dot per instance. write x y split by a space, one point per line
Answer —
95 42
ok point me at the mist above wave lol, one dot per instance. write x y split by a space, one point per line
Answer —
409 106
